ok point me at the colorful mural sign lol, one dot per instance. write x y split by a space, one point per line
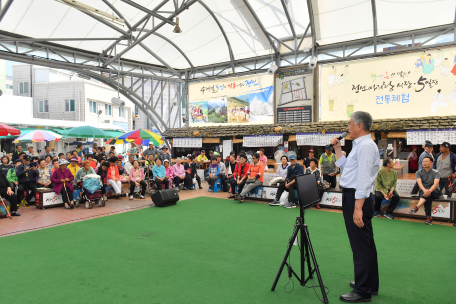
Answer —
233 100
416 84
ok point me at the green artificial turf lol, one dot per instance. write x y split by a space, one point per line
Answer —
209 250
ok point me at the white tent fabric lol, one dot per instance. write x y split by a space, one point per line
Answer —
201 38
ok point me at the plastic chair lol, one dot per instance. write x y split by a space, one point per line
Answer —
217 186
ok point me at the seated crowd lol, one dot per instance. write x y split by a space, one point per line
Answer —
27 172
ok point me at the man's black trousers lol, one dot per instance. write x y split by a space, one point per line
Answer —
362 244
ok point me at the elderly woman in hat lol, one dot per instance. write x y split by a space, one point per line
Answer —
73 166
62 178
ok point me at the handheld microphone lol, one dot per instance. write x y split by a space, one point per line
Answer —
343 135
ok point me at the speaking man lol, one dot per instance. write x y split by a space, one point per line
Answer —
360 171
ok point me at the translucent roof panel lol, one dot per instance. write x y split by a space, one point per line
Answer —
338 21
404 15
202 39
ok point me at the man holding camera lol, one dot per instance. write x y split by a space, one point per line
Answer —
289 185
360 171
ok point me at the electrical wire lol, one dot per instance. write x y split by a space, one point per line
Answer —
76 220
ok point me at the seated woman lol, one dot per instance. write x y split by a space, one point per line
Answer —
136 179
5 166
44 175
169 173
55 165
179 173
102 171
113 177
213 173
11 175
68 156
121 168
255 177
48 160
160 174
282 170
85 170
313 169
62 179
75 155
93 163
73 166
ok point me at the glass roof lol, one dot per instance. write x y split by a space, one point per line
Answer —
202 39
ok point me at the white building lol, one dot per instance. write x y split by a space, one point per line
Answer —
59 95
17 111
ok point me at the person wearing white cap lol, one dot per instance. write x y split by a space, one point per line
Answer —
169 173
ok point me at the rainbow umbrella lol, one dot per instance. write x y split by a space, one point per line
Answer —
139 135
38 135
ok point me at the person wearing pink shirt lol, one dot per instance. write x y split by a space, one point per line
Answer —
179 173
169 173
263 159
136 179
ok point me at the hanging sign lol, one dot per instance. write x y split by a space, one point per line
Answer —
262 140
187 142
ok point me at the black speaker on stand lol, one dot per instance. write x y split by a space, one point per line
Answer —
166 197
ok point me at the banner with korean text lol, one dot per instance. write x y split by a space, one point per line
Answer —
418 84
246 100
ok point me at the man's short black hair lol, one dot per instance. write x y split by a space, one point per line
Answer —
233 153
256 155
22 153
41 160
105 164
88 155
113 159
46 147
55 160
213 158
243 156
60 154
386 161
190 157
79 145
313 159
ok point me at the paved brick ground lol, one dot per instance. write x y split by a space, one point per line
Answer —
34 219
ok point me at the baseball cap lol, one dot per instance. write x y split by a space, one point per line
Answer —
311 150
292 156
166 160
27 157
428 144
203 150
445 144
328 148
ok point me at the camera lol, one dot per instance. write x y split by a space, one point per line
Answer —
272 69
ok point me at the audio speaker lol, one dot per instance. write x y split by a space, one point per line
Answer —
163 198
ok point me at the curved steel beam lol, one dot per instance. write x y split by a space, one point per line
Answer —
5 9
374 18
140 39
221 29
312 26
106 80
176 47
115 10
129 94
126 34
260 24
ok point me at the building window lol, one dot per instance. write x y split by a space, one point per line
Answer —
43 106
121 112
108 109
69 105
92 106
23 88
